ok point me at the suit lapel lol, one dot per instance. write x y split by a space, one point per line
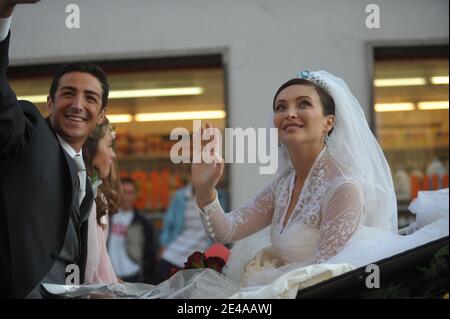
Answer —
82 212
72 168
85 210
87 202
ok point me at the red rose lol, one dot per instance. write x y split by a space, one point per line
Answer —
215 263
195 261
173 271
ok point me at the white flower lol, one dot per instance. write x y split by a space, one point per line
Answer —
95 183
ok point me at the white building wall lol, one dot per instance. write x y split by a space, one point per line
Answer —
268 42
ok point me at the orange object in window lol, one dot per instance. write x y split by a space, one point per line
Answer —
154 196
178 182
123 174
415 184
140 177
445 181
435 181
164 189
426 183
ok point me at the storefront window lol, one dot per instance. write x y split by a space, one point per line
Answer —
411 118
148 99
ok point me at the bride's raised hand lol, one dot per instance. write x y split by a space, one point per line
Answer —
206 173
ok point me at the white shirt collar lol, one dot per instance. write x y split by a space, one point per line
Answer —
69 149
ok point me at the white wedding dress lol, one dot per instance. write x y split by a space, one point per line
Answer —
329 210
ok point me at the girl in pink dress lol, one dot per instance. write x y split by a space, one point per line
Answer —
101 165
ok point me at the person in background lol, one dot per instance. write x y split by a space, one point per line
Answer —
132 243
101 166
183 232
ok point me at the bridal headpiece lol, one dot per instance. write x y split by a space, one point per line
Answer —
310 76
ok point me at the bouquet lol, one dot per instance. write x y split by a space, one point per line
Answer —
199 260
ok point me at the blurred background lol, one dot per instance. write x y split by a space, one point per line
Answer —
169 62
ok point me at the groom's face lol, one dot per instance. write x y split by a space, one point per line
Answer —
76 108
299 115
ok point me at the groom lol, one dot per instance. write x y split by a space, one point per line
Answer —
45 196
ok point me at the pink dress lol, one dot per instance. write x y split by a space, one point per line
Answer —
98 265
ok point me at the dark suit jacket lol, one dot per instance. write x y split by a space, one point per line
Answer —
38 193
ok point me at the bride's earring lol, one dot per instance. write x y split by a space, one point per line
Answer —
325 140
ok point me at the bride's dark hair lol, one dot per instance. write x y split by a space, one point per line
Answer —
325 98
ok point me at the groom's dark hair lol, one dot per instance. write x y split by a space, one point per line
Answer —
325 98
85 67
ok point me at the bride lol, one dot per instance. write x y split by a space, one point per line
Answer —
330 208
332 178
332 199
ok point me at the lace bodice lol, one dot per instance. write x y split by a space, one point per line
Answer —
328 211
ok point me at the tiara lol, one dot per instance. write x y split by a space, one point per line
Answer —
313 78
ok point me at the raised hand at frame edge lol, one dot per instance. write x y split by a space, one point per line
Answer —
7 6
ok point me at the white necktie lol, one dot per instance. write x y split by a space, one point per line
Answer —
82 177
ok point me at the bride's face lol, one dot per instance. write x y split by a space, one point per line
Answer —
104 158
299 116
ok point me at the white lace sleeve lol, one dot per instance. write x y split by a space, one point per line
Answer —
341 216
240 223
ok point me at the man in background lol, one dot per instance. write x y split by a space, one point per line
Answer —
132 244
